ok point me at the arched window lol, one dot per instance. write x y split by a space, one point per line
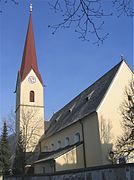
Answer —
77 137
67 141
32 98
59 144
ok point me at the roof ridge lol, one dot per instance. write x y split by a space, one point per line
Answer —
92 84
84 106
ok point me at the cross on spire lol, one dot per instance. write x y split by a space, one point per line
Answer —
122 57
31 8
29 60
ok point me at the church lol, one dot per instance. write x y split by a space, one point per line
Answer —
84 131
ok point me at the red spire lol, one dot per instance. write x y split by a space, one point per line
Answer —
29 55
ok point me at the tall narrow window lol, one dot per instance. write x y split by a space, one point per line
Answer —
32 98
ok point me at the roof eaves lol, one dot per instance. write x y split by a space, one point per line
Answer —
68 125
59 153
37 74
18 76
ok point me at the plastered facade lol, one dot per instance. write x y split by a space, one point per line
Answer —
100 129
109 111
73 159
69 132
30 115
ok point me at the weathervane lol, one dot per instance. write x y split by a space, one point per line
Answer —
31 7
122 57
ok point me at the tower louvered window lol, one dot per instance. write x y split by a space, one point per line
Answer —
32 96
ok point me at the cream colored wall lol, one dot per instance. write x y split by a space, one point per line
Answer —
31 113
73 159
91 136
107 118
92 140
32 126
26 87
109 110
70 132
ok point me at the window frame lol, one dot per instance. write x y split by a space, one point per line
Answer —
32 96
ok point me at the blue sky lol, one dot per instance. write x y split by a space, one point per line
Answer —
67 64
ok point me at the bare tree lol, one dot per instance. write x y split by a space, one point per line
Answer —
6 1
105 128
125 143
29 125
106 137
124 7
87 16
11 122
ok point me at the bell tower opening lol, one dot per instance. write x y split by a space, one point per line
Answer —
32 96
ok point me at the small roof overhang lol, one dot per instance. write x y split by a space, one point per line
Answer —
57 154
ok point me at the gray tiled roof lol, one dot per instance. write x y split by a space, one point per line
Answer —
82 105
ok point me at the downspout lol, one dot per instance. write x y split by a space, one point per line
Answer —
84 151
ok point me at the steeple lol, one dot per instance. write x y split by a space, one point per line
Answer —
29 94
29 60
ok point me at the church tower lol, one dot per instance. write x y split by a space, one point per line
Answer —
29 95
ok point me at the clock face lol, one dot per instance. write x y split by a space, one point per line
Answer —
32 79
